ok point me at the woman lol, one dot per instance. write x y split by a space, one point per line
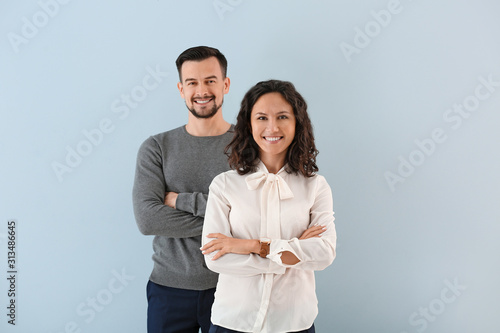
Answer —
269 222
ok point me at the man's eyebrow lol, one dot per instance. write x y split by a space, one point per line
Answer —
206 78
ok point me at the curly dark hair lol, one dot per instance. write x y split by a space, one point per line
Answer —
243 151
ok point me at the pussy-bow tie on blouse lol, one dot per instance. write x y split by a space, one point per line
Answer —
274 188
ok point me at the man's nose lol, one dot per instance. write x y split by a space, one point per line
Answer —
202 90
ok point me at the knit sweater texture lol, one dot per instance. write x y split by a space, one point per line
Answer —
180 162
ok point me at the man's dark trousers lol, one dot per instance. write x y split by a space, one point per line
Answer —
172 310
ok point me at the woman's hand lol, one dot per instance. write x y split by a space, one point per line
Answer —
225 244
314 231
288 257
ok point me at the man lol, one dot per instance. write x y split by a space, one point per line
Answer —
174 170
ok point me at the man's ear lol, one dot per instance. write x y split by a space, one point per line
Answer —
181 89
227 83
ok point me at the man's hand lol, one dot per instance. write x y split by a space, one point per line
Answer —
225 244
170 199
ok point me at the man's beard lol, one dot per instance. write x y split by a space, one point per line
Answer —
212 112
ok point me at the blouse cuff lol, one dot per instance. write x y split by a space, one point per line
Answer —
275 267
277 247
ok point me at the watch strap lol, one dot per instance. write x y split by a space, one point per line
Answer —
264 249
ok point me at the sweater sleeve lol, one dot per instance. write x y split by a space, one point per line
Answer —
315 253
217 221
194 203
153 217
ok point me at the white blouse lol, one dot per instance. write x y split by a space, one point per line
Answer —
257 294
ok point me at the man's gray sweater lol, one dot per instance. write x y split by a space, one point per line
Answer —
179 162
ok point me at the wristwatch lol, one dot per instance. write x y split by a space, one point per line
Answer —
264 248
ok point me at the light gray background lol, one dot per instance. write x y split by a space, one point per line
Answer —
400 246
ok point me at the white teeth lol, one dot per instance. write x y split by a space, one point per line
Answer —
202 101
273 138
